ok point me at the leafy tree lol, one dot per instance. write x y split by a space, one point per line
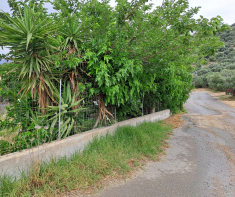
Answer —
125 52
203 71
17 6
200 81
216 82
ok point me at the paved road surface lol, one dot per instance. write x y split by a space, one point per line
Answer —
201 160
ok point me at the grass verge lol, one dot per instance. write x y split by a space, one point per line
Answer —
227 98
110 156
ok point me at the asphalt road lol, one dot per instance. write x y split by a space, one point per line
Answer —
200 161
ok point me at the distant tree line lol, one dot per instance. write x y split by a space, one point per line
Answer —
220 73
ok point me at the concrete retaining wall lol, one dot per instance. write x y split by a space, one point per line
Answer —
14 163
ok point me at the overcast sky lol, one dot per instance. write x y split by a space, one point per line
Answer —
209 9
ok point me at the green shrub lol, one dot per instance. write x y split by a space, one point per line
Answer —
227 51
5 147
226 73
220 81
199 67
225 61
216 82
230 82
221 58
228 38
224 64
229 78
212 59
232 60
217 68
203 71
213 65
230 67
219 55
231 55
200 81
221 49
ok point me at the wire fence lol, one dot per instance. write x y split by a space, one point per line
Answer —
24 125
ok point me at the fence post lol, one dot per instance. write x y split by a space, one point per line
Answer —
115 113
59 111
158 105
143 106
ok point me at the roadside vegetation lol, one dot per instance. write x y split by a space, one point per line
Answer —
219 74
227 98
112 156
115 55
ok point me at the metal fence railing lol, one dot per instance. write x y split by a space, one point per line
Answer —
23 124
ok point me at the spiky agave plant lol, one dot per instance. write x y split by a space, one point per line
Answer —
30 39
69 108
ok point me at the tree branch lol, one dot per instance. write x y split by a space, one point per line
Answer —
128 16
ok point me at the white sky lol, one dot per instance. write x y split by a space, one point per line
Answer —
209 9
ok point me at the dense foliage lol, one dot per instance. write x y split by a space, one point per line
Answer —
220 74
125 52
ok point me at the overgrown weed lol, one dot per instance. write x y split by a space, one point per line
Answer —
107 157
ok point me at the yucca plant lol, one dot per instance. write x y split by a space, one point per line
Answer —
30 38
71 33
69 108
71 58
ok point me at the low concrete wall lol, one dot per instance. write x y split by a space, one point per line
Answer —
14 163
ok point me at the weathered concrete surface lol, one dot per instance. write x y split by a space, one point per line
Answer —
12 164
200 162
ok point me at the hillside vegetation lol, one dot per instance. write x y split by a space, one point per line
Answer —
219 75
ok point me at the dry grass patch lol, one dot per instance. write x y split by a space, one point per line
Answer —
175 120
227 98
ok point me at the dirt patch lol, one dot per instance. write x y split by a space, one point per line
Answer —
176 120
216 121
213 121
231 159
219 188
199 89
230 155
230 103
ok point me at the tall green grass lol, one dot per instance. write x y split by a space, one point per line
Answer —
109 156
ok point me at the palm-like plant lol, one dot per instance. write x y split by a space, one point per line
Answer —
31 42
69 108
71 33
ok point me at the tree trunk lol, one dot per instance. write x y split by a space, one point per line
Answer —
152 110
103 112
97 122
